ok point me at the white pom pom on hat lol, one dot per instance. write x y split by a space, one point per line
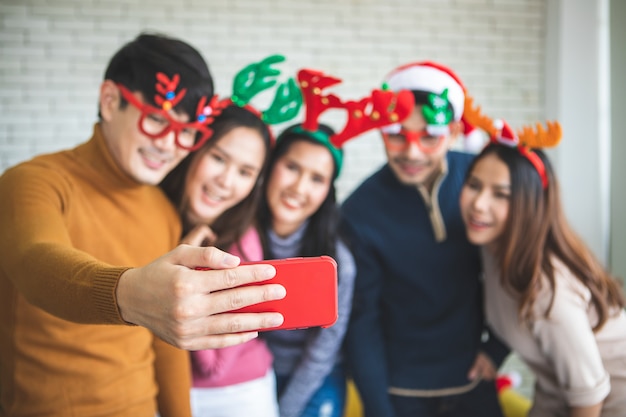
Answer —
431 77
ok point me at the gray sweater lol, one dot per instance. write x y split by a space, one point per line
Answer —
309 355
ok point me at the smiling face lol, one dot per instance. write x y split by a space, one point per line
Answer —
145 160
413 166
298 185
485 200
222 175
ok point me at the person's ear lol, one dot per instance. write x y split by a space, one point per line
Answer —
109 100
456 128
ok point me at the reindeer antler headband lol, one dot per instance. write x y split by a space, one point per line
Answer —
525 140
378 109
260 76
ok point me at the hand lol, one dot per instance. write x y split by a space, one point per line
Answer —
188 308
483 368
201 235
589 411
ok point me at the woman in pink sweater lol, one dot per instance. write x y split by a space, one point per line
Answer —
216 191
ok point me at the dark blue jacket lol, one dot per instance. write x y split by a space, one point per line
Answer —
417 311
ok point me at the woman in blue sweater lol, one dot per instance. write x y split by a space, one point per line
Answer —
299 217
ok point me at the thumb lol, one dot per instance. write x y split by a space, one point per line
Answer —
204 257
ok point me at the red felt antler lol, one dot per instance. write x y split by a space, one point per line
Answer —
166 87
379 109
206 113
312 83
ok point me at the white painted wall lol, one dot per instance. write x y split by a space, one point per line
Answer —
577 90
617 254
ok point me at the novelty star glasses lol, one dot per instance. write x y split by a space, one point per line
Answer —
157 122
400 141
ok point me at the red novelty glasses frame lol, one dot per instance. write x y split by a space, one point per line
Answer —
157 123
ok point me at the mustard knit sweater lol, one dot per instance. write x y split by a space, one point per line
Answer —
70 224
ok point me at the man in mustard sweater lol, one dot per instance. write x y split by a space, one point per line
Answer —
81 294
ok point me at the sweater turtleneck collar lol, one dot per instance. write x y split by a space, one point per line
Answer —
288 246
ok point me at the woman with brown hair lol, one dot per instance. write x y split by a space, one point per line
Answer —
217 190
546 295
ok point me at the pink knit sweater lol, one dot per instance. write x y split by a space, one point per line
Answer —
235 364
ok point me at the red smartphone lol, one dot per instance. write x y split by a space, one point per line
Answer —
311 300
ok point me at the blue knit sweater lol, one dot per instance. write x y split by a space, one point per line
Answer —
417 311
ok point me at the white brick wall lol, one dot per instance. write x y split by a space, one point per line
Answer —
54 52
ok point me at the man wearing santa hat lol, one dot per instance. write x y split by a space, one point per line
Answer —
416 344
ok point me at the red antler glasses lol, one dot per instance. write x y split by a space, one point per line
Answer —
156 123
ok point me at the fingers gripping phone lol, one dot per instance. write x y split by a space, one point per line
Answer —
311 285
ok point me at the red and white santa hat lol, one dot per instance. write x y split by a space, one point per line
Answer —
431 77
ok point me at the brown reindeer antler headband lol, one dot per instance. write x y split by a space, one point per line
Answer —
525 140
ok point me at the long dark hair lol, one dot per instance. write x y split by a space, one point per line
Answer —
537 231
320 236
233 223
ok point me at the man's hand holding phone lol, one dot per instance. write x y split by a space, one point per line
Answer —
311 299
192 309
